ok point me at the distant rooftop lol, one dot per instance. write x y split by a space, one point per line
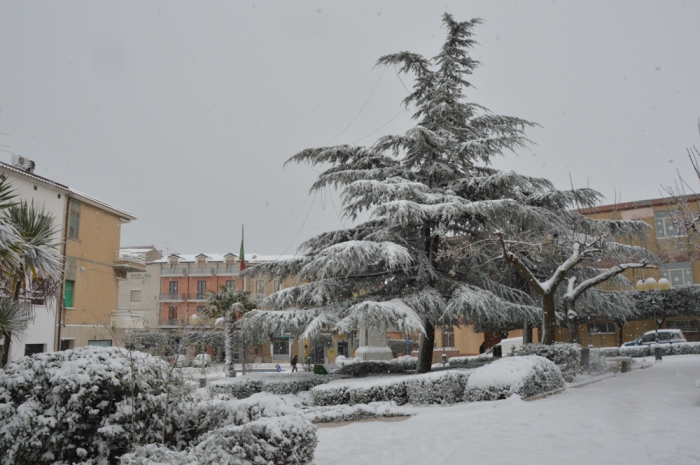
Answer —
123 214
220 257
637 204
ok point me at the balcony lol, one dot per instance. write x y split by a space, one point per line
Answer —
197 296
230 270
129 262
173 297
172 323
201 271
173 272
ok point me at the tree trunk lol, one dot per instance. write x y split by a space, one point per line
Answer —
427 342
573 324
229 323
5 348
550 319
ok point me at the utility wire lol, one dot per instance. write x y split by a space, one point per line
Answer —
358 113
302 225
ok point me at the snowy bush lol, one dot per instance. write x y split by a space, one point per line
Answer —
75 406
279 440
596 363
566 356
608 351
395 366
280 386
445 387
473 361
686 348
523 375
338 413
635 351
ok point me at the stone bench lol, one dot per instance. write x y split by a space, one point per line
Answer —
621 364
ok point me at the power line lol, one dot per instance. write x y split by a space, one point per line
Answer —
358 113
380 127
302 225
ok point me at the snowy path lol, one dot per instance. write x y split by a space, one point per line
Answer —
649 416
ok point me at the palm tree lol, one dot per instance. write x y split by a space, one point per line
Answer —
38 269
12 321
230 304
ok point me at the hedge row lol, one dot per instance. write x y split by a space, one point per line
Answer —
474 361
280 386
646 351
445 387
566 356
338 413
404 364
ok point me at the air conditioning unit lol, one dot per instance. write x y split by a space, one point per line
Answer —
23 163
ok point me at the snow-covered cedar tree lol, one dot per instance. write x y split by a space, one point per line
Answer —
566 356
87 405
422 189
525 376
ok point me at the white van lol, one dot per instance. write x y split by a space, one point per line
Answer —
509 346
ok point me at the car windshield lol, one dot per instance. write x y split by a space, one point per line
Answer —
651 337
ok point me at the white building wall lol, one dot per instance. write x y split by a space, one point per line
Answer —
43 329
144 313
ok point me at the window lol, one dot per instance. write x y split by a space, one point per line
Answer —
136 296
448 336
74 219
173 287
687 326
279 285
259 287
100 343
666 225
679 274
172 313
280 346
67 344
31 349
201 289
230 284
68 293
601 328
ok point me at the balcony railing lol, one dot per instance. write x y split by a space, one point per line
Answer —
173 272
230 270
129 262
173 297
197 296
201 271
172 322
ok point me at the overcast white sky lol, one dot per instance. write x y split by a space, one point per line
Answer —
183 113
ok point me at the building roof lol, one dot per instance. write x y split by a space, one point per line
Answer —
124 215
220 257
637 204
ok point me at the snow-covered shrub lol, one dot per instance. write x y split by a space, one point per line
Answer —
636 351
523 375
473 361
686 348
359 370
445 387
356 412
75 406
279 440
280 386
608 351
566 356
596 363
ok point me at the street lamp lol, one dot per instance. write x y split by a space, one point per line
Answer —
652 285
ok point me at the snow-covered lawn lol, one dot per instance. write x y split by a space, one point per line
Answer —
648 416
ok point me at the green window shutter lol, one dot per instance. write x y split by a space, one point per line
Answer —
68 294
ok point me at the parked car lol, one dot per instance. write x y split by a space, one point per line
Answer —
201 360
508 346
666 336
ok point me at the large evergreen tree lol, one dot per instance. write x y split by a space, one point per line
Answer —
425 190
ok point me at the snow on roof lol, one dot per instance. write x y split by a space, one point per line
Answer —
220 257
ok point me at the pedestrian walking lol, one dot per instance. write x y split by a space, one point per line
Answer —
294 364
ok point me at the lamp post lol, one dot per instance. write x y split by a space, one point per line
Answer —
652 285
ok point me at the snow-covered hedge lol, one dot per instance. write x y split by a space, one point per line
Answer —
75 406
398 365
644 351
526 376
473 361
566 356
289 384
338 413
280 441
444 387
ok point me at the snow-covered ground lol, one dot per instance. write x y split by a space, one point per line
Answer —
647 416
